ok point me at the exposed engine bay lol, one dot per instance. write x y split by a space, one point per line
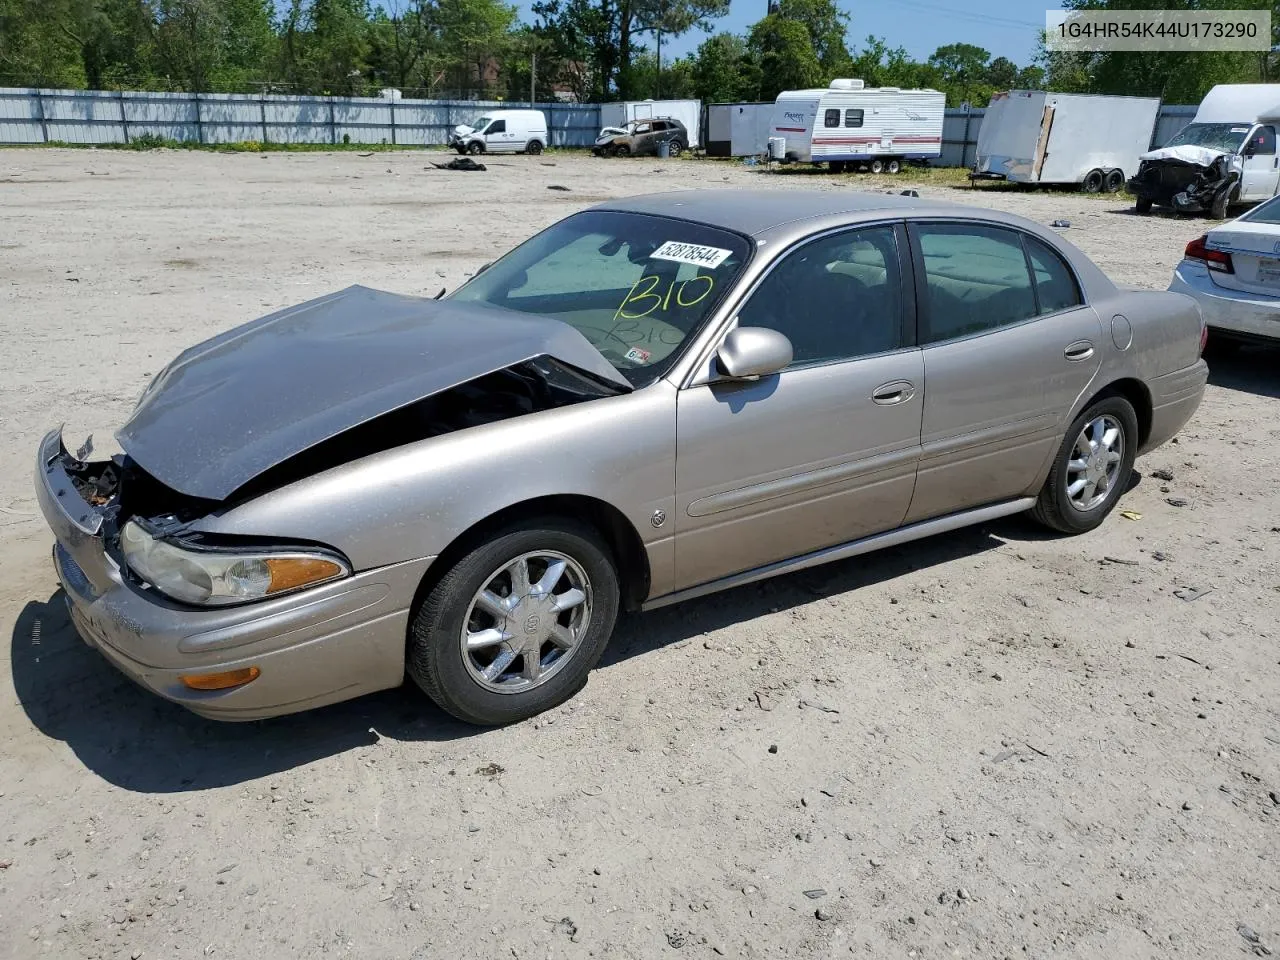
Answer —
121 489
1186 185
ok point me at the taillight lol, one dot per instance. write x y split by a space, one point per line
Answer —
1213 259
1204 336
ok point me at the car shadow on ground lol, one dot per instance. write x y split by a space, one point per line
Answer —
1250 368
140 742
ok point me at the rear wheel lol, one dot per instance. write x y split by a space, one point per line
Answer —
516 625
475 148
1093 181
1142 205
1092 467
893 166
676 148
534 147
1114 181
877 166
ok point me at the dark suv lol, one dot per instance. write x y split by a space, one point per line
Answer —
641 137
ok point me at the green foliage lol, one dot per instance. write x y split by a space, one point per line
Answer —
724 70
785 54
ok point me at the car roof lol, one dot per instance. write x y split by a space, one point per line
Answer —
754 212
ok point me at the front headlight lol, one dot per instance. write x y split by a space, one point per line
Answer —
218 577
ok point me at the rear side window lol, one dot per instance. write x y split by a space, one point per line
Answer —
853 118
831 118
1056 287
976 280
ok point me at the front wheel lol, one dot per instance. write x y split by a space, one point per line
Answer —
893 166
1221 203
1093 181
1143 205
516 625
1092 467
877 166
1114 181
622 150
475 148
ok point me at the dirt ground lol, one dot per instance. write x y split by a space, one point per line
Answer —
990 744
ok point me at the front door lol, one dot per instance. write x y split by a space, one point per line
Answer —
823 452
1007 354
1261 167
496 138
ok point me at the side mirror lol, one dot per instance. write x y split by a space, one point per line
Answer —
748 353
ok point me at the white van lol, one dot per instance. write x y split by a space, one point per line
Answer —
502 131
1225 155
851 125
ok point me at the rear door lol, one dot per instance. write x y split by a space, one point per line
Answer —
1006 357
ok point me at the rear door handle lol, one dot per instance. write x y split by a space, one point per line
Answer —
1080 350
897 391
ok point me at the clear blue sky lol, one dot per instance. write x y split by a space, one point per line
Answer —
1006 29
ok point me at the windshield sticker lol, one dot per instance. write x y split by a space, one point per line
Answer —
1239 129
693 253
636 355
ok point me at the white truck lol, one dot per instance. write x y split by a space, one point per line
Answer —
851 125
1225 155
502 131
688 112
1030 136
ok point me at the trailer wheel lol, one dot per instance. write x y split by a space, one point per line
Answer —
877 166
836 166
1142 205
1114 181
894 166
1093 181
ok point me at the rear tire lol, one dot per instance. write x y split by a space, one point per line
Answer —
534 147
1143 205
1065 511
451 671
877 166
675 149
1114 181
1093 181
893 166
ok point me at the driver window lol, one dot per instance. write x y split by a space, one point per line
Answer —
1263 142
837 298
642 128
498 126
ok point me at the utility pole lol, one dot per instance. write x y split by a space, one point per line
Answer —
533 79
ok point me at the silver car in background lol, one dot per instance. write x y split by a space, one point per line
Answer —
1233 273
651 400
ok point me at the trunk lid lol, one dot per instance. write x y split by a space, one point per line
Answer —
1255 257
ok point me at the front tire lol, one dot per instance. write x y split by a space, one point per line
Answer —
475 149
622 150
515 626
1093 181
877 166
1143 205
1091 469
1114 181
894 166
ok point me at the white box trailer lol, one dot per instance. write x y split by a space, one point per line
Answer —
1030 136
688 112
738 129
851 125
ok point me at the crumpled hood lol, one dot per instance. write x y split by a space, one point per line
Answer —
462 130
227 409
1200 156
608 133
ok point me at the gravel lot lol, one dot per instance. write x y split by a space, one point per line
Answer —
990 744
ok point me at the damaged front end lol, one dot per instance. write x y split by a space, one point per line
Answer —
1187 184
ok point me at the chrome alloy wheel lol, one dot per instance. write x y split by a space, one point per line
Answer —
1094 467
526 621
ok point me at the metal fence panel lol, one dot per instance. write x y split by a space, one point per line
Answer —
21 117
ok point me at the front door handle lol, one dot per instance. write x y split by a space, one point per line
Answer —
1080 350
897 391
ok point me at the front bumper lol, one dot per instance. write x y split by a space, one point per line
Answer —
1223 309
318 646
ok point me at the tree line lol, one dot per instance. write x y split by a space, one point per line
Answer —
596 49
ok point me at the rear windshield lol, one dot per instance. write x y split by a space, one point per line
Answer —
1216 136
636 286
1268 212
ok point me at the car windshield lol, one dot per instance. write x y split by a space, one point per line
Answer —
636 286
479 123
1226 137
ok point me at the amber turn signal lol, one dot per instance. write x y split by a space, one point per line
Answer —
290 572
221 681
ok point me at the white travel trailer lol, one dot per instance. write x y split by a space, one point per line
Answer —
688 112
851 125
1030 136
